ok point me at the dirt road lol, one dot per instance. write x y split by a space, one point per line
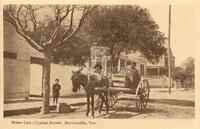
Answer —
177 105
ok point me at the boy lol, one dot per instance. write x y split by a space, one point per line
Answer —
56 91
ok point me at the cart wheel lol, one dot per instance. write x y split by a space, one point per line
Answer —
97 102
139 103
142 95
112 99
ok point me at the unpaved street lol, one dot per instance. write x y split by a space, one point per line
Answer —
179 105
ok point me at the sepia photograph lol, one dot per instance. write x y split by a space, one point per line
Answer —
94 61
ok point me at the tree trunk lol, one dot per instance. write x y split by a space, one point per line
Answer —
114 63
114 60
46 84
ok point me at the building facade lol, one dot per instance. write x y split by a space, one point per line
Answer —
101 56
23 68
18 57
135 60
160 68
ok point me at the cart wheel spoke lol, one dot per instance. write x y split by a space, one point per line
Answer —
142 95
112 99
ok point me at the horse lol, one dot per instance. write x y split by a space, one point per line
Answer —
89 83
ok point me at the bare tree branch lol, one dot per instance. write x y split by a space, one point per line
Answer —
57 12
16 22
23 18
19 20
59 19
86 12
33 19
68 10
70 26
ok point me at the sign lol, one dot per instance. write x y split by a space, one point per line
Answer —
99 52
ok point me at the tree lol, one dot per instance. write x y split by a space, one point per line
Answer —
185 72
75 52
126 28
189 68
47 28
179 74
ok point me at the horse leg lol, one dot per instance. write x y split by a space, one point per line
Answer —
88 104
92 104
106 102
102 102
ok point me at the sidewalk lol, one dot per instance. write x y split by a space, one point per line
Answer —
34 104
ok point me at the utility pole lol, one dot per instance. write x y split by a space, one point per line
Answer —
169 52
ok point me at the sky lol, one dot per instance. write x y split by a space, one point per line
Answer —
183 28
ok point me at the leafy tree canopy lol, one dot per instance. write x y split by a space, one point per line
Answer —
188 65
126 28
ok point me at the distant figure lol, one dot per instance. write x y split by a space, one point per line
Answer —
56 91
136 77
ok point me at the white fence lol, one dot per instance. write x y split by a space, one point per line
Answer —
62 72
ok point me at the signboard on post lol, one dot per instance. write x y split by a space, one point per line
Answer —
100 55
99 52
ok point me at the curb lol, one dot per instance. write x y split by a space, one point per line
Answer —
28 111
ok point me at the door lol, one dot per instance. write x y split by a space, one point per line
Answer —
36 79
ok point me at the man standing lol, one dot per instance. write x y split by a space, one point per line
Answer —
98 71
136 77
99 76
56 91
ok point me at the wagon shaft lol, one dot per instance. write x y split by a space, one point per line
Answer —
117 90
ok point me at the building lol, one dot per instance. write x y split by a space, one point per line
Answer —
18 57
23 68
157 74
160 68
133 59
100 55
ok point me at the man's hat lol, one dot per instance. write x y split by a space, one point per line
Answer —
98 66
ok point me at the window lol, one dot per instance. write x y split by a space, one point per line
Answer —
10 55
133 64
36 60
128 63
166 62
122 63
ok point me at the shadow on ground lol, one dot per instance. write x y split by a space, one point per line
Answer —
129 112
173 102
167 101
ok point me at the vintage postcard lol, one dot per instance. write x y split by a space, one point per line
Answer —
82 64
